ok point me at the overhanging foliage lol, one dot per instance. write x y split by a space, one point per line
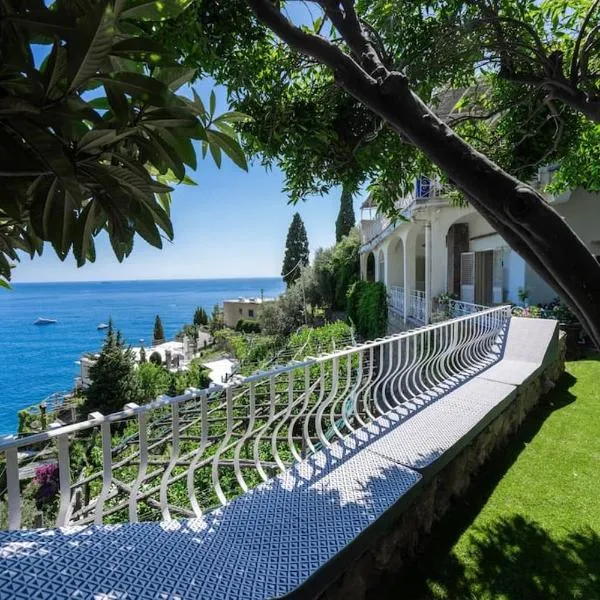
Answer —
92 129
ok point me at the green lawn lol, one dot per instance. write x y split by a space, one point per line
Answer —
530 527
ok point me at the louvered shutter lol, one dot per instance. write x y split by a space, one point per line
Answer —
467 277
498 276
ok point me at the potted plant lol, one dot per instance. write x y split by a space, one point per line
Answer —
443 303
571 326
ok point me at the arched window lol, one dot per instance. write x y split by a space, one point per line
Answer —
370 267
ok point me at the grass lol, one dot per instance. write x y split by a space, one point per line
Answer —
530 526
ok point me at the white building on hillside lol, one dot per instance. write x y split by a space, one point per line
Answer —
442 248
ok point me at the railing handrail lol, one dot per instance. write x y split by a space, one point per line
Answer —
12 441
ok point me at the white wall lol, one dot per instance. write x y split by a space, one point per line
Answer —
515 276
582 213
539 291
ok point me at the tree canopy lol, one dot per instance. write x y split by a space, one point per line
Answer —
93 131
358 91
114 382
321 136
296 250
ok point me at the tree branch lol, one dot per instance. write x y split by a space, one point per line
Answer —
349 26
313 45
575 60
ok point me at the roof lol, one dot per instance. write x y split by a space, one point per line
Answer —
249 300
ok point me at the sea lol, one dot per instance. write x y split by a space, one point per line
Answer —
39 360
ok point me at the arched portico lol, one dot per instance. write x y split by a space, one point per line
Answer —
381 267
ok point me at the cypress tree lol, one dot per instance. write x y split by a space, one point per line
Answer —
345 220
159 333
296 251
200 317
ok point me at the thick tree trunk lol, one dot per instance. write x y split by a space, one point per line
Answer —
515 210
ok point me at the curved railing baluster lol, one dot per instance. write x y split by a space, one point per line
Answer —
64 480
277 416
199 453
142 419
106 467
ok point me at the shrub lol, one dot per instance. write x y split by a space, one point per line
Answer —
153 380
156 358
367 308
321 339
248 326
46 478
200 317
114 382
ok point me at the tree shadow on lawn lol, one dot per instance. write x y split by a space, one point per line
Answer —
512 556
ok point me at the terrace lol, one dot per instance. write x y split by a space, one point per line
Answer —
272 485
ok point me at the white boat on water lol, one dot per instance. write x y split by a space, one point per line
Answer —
102 326
44 321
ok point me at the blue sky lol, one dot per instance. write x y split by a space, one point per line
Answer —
232 224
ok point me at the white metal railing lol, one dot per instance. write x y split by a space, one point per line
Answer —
458 308
178 457
417 307
397 298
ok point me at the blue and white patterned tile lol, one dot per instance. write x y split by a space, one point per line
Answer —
262 545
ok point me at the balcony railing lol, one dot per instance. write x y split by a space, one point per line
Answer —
397 299
417 307
179 457
458 308
425 190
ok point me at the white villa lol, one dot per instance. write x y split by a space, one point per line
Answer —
174 355
446 249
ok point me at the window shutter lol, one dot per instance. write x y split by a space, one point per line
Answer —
467 277
498 276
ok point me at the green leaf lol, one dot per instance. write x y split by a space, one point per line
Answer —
47 147
57 69
233 116
156 10
96 138
212 103
229 145
139 86
5 284
168 155
215 152
118 103
100 103
90 219
91 44
52 216
199 103
45 22
175 77
181 145
147 50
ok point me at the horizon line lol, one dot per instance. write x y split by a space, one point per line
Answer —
148 279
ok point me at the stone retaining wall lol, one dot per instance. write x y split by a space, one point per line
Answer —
409 535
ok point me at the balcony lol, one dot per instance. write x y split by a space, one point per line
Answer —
417 310
375 227
263 487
